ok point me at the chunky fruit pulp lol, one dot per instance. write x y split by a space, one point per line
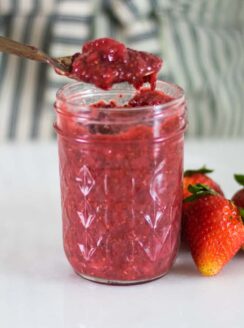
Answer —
105 61
121 197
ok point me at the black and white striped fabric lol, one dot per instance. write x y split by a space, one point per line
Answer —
201 41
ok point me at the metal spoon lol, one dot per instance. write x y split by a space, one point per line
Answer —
62 65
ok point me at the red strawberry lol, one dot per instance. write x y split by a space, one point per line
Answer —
214 229
192 177
238 197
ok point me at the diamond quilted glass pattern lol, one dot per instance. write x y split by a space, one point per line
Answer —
85 180
119 224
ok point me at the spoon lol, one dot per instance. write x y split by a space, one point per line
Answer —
62 65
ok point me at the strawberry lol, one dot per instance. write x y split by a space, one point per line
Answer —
192 177
238 197
214 229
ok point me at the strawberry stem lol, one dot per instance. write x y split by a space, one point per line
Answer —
239 179
197 191
202 170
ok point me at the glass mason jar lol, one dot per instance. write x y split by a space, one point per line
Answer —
121 182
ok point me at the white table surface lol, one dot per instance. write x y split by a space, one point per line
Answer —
38 289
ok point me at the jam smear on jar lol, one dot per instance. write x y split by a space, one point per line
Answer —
148 97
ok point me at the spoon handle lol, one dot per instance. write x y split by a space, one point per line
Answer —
22 50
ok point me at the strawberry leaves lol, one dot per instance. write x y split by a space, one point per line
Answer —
241 210
199 190
239 179
202 170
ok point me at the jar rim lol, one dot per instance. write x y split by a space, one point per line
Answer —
89 89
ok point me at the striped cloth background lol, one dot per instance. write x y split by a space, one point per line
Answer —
201 41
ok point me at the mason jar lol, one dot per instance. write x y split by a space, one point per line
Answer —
121 182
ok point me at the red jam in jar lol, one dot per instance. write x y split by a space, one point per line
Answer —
121 158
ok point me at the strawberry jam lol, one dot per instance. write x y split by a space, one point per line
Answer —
121 156
105 61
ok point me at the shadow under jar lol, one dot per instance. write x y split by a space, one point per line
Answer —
121 182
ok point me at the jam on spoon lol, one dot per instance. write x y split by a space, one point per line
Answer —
104 62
